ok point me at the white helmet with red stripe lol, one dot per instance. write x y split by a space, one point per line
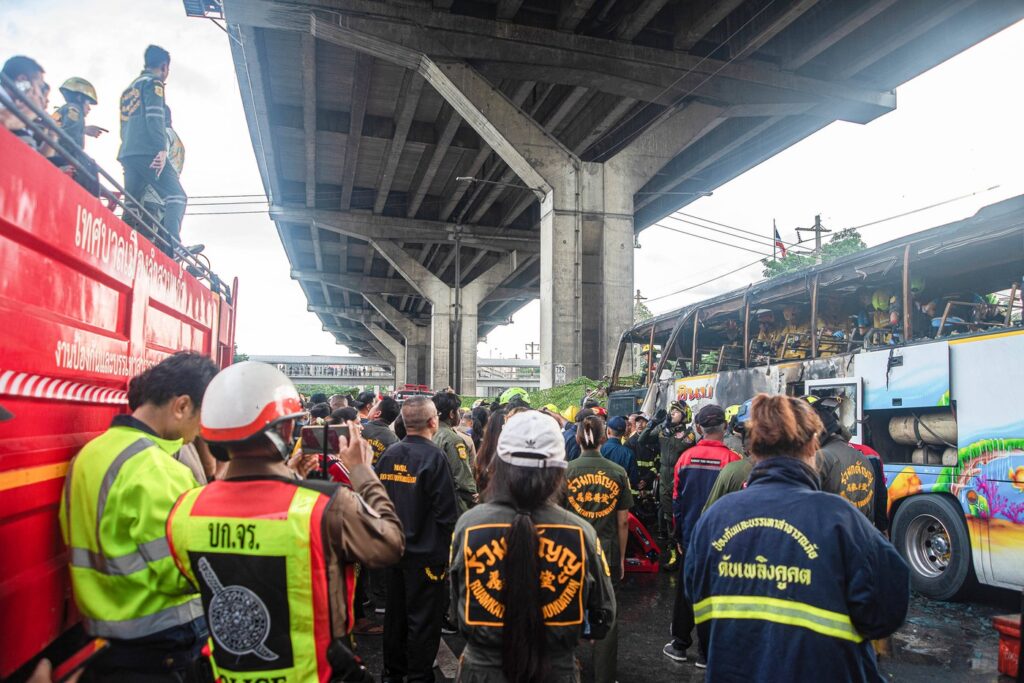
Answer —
247 399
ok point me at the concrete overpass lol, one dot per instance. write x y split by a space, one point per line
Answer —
581 123
494 375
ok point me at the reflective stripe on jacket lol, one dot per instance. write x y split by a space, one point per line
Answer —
794 578
119 490
256 551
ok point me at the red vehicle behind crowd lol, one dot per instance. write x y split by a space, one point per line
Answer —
85 303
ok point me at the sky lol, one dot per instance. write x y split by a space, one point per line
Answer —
956 131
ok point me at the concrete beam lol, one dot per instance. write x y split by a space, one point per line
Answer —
507 9
571 13
448 123
371 226
356 283
408 98
806 51
636 20
395 348
249 71
404 33
697 18
768 25
359 95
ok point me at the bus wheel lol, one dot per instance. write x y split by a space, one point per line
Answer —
931 535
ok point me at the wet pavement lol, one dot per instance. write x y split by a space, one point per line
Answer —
940 641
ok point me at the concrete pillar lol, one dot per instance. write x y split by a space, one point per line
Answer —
415 352
395 348
472 295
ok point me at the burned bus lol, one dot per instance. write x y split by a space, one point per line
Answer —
920 341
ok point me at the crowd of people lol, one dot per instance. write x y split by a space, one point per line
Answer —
207 540
151 153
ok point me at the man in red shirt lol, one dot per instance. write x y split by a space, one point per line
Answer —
695 475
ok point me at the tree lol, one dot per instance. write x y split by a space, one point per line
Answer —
239 357
641 312
843 243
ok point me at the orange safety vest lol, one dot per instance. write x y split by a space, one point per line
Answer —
256 549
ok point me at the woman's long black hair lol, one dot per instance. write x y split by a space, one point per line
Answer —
524 659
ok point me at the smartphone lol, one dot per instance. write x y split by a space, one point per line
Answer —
65 667
313 439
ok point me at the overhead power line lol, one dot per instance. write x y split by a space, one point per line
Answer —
705 282
709 239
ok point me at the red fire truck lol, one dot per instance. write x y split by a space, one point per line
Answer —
86 302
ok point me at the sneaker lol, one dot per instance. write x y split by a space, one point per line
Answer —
674 652
702 661
379 610
673 562
195 249
448 628
367 627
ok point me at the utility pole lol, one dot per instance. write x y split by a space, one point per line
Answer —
532 350
818 230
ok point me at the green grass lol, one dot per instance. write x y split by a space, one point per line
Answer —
562 396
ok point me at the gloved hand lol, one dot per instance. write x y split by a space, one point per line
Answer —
659 417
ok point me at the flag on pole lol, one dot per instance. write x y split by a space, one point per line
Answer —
778 242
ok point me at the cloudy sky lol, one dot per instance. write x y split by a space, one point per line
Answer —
956 131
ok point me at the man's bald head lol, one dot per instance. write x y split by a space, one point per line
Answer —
419 415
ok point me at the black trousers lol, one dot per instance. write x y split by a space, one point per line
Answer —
683 620
137 176
412 622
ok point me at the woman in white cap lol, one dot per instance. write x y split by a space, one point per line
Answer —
528 577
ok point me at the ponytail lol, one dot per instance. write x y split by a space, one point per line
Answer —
591 433
524 657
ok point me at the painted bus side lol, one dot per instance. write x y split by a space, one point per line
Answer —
975 377
85 303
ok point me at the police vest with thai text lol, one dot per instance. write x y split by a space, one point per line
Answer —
257 551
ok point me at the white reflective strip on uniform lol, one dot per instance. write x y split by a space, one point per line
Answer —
147 625
110 475
153 551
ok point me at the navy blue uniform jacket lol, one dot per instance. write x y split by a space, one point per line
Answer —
795 582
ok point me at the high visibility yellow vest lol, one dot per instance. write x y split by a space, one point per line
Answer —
119 490
256 551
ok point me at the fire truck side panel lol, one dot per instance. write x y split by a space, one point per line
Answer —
85 304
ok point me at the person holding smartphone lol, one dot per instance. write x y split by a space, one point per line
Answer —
272 556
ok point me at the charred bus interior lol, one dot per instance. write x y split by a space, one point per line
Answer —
954 280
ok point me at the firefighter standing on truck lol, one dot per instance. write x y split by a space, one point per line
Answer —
271 554
119 490
143 152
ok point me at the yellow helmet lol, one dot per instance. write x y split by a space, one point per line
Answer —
80 86
570 413
731 411
880 299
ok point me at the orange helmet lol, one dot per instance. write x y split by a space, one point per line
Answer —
248 399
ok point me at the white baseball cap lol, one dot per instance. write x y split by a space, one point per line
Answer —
532 439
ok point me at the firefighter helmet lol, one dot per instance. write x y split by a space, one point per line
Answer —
80 86
248 399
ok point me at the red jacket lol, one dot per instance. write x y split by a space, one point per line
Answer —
695 474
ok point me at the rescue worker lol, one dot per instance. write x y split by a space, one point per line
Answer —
572 446
30 80
733 476
614 450
695 474
794 577
844 470
599 492
526 573
454 448
364 404
794 337
253 544
646 456
143 152
79 98
377 431
732 439
418 479
673 436
118 493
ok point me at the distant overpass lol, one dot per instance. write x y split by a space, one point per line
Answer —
494 375
578 123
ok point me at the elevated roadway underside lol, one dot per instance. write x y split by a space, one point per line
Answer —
588 119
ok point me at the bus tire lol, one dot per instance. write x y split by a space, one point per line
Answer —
930 533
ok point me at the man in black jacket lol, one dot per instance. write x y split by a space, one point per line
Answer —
416 475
